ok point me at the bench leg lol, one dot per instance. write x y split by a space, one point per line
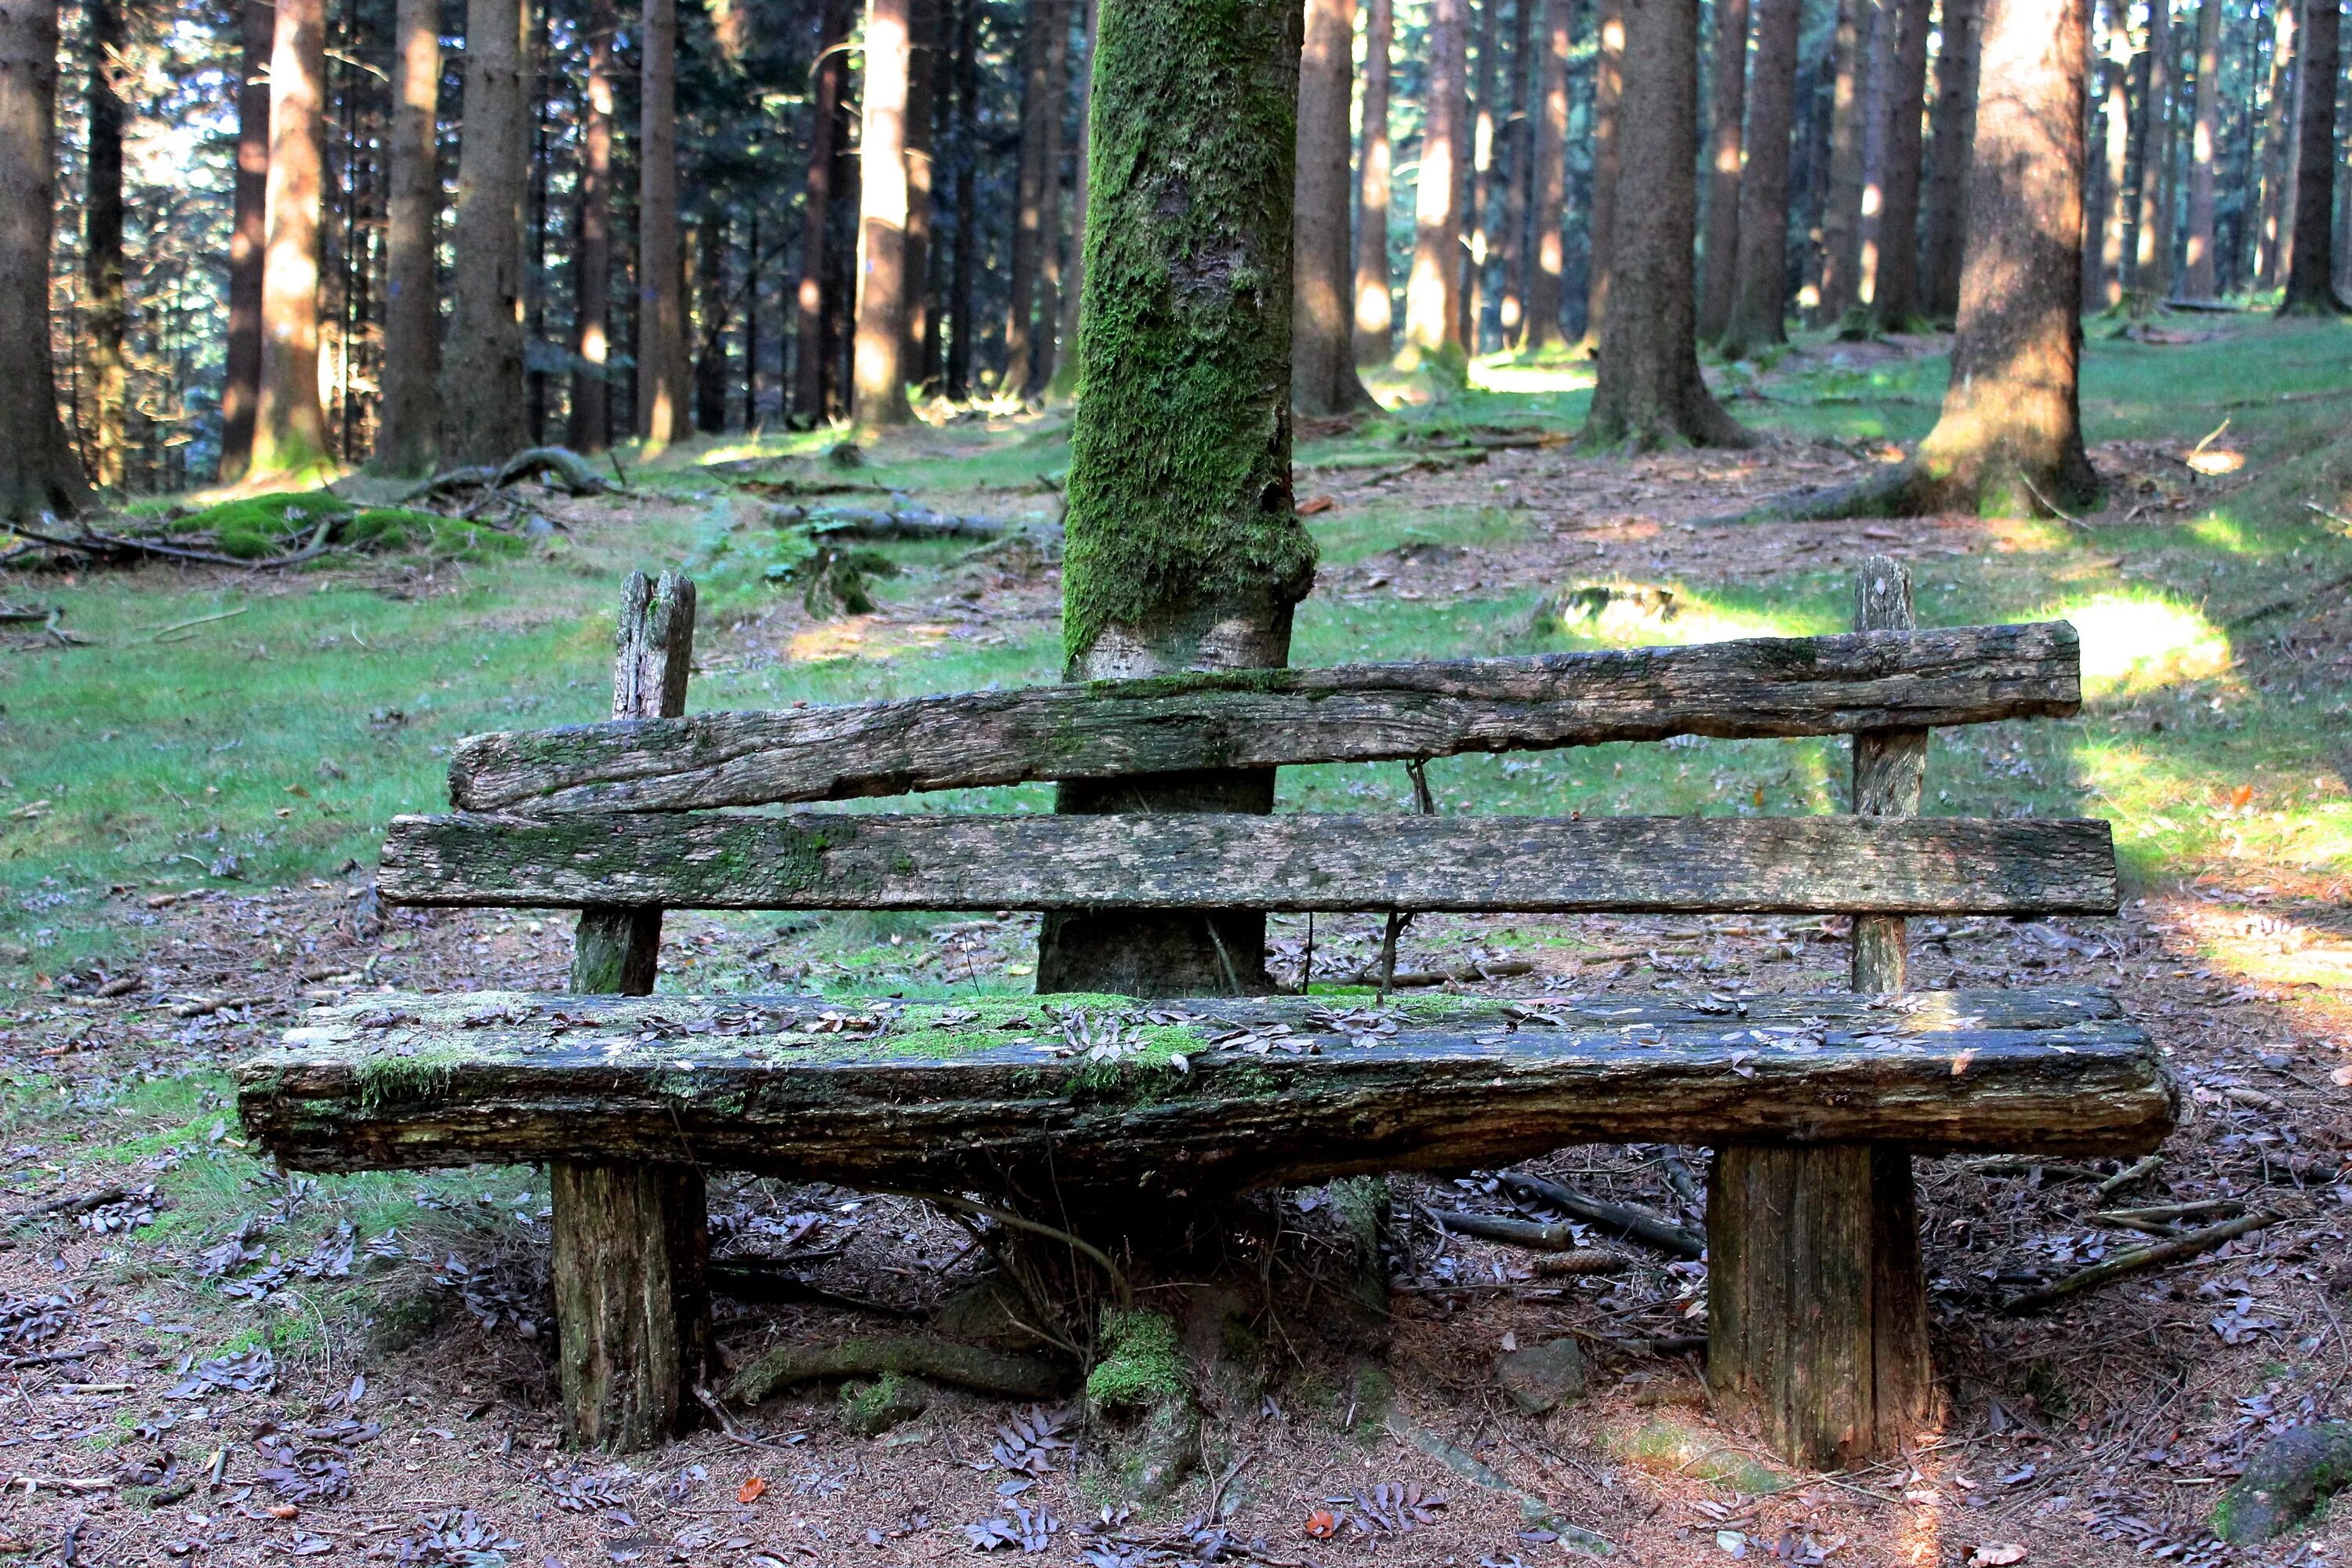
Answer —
1817 1325
632 1309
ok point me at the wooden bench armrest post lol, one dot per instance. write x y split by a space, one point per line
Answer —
1817 1307
631 1240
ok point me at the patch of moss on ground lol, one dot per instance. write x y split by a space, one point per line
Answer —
254 527
1139 1365
1667 1447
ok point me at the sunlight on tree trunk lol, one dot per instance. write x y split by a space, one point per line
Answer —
1601 222
661 302
106 312
1374 314
1433 305
2105 289
2199 279
879 385
1842 215
1322 340
1650 393
918 346
1894 296
1183 551
290 434
408 418
2151 278
808 378
2278 152
1947 180
1727 103
2311 265
1548 269
1760 297
38 471
592 263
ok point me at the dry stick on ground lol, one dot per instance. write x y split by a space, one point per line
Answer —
81 1202
2143 1166
2136 1261
102 545
1617 1219
1533 1235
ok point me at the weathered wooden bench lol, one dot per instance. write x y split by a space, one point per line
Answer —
1812 1104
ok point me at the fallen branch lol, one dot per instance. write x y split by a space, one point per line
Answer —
728 1426
1533 1235
106 545
10 613
81 1202
1461 974
2276 606
910 1355
2145 1166
1588 1260
572 473
899 523
1620 1220
2139 1260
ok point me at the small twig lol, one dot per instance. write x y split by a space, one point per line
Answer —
2124 1178
1021 1222
199 621
2136 1261
728 1428
2061 513
1388 954
81 1202
1423 803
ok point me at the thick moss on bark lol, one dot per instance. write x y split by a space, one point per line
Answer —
1180 501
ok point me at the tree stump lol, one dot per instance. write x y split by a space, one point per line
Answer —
1817 1313
631 1307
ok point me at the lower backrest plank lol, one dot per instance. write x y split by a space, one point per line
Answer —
1495 864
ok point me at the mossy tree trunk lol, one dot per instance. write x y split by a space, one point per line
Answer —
2311 265
289 432
408 417
38 471
1322 339
1726 104
1759 300
1650 393
1183 552
1375 322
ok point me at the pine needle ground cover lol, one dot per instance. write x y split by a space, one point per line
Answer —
196 765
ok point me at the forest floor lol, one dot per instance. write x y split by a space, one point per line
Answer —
220 1363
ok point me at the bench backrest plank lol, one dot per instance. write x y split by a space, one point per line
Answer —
830 861
1753 687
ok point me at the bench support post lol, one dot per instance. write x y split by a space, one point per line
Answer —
632 1309
1817 1308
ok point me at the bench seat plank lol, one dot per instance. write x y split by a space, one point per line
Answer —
1263 719
900 1095
841 861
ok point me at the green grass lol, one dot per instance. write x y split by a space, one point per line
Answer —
271 745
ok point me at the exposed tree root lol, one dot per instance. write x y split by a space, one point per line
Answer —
562 467
910 1355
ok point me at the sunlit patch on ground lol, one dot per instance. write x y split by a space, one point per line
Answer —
2137 642
1531 380
862 636
2272 948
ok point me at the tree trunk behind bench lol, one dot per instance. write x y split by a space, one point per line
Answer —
631 1307
1817 1309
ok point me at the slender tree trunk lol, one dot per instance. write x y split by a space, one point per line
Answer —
1650 393
539 104
1045 355
1432 308
1065 383
1518 143
2152 258
1760 298
1841 213
592 256
661 304
1547 281
841 257
2278 148
105 310
809 379
290 434
1183 550
1028 208
2310 276
481 364
1601 222
1375 319
1322 350
967 238
2199 279
751 271
249 240
880 385
1482 167
1896 298
923 87
2115 207
709 270
408 415
1727 106
38 471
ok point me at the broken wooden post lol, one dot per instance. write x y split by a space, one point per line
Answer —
1817 1326
631 1310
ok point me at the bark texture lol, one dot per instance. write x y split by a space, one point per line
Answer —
249 240
1029 211
38 469
1478 246
1432 297
879 384
290 433
1600 223
812 385
409 416
2106 289
1842 208
1894 298
1758 306
2200 277
106 310
1650 393
1548 271
1374 318
662 370
2278 148
2151 278
1772 686
1517 139
1065 383
1949 157
1183 552
956 1096
2311 267
592 261
918 346
1045 355
1322 338
481 366
1726 105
